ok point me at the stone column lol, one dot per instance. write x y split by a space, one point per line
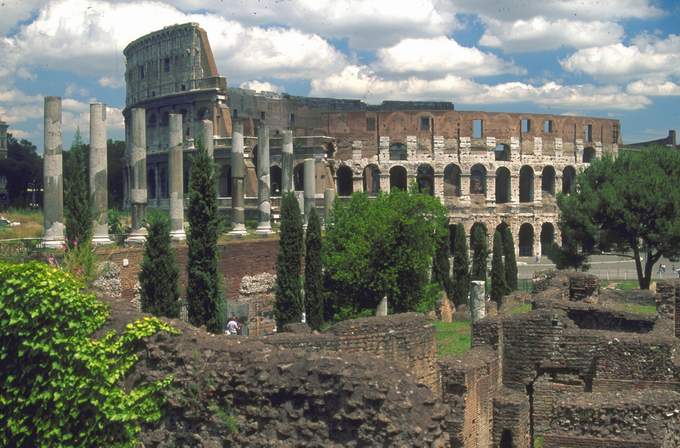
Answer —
138 194
53 178
176 180
287 162
538 190
385 182
357 183
207 137
491 188
238 171
310 187
465 187
98 174
439 185
328 200
477 302
264 226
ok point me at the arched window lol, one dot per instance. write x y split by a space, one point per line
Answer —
547 237
478 180
526 184
526 240
275 179
503 188
568 177
451 180
398 178
344 181
502 152
397 151
371 180
588 155
548 180
299 177
425 179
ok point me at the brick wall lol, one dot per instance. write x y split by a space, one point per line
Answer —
511 419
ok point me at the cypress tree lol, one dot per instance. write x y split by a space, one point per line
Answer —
498 285
288 305
461 267
159 273
78 203
205 303
510 262
314 306
441 267
480 253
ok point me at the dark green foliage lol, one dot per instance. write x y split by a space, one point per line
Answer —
499 287
288 306
78 203
381 247
314 294
23 169
480 253
509 259
205 304
461 267
159 274
568 256
115 153
60 385
630 204
441 266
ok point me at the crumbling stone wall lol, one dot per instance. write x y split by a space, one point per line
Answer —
583 286
511 419
257 292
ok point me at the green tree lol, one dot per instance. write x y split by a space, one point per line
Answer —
509 259
480 253
314 294
288 305
441 267
499 287
205 304
461 267
23 169
629 205
78 203
115 154
159 274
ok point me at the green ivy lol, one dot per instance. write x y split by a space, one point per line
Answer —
61 386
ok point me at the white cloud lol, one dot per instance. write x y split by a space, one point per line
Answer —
647 56
441 55
261 86
72 90
14 11
653 88
112 82
539 33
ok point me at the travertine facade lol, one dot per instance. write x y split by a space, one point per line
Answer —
488 168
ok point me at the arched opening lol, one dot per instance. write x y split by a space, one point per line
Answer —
548 180
478 180
344 181
526 240
330 151
588 154
371 177
568 177
425 179
299 177
526 184
451 180
275 180
398 178
397 151
151 182
547 237
502 152
506 439
503 185
224 185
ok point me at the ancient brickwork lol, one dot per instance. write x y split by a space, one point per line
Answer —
511 419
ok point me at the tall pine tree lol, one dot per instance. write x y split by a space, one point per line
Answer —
205 303
288 306
510 261
78 203
314 306
498 285
461 267
480 253
441 267
159 274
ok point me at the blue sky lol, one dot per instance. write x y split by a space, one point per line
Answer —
616 58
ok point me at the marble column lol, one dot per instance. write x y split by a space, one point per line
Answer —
53 177
176 177
477 302
138 193
328 200
98 174
310 187
287 162
264 226
238 171
207 137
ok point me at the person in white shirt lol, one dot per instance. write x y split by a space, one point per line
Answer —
232 326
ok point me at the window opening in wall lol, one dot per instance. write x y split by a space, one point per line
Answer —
588 132
166 65
141 72
548 126
424 123
262 115
370 123
615 133
502 152
292 120
234 113
477 128
183 87
153 93
526 125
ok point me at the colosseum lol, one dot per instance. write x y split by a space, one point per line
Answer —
488 168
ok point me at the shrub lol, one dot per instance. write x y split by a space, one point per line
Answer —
440 265
81 261
461 267
288 305
60 385
314 293
509 259
480 253
78 203
499 287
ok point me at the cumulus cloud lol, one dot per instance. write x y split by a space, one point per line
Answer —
261 86
653 88
441 55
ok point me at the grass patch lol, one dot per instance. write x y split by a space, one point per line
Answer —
635 308
623 285
520 308
453 339
31 223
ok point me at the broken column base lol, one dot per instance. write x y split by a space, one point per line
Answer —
239 231
54 236
264 230
101 240
137 236
178 235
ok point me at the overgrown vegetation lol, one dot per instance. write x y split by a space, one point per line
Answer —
31 223
61 385
78 202
314 294
509 259
441 267
499 286
461 267
453 339
288 305
480 253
